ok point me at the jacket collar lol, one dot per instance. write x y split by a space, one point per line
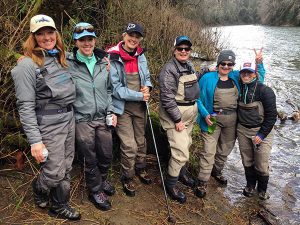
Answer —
99 54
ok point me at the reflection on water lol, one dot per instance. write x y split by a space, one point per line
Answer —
281 48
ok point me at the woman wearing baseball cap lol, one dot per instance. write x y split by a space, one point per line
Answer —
179 91
219 97
131 86
257 115
45 92
89 68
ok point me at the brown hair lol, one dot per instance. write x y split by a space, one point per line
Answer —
37 54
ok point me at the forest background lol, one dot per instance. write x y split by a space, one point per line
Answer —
163 20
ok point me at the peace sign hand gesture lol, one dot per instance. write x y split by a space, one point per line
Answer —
258 55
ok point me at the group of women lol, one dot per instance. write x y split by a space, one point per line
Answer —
65 98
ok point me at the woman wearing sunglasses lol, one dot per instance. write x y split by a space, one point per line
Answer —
219 96
89 68
179 91
45 92
257 115
131 90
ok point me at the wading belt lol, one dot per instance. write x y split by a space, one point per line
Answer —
66 109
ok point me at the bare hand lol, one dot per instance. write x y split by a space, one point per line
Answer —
146 97
179 126
37 152
208 121
258 55
257 140
108 65
145 89
114 120
212 68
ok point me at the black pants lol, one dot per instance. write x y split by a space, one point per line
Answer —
94 143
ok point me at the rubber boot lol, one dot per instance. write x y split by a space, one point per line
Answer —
262 185
251 178
173 191
183 178
200 189
218 176
60 208
41 198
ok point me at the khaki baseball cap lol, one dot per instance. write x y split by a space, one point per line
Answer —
40 21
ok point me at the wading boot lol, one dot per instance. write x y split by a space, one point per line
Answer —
219 177
263 195
59 198
128 186
41 198
200 189
174 191
100 200
250 174
108 188
143 176
248 191
183 178
262 185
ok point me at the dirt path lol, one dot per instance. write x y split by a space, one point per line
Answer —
147 207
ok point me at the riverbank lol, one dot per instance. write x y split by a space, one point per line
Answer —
147 207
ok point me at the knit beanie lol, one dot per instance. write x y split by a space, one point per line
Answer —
226 55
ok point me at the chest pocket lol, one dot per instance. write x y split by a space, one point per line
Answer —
251 114
188 88
55 85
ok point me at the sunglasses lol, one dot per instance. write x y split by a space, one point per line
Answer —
80 29
227 64
181 49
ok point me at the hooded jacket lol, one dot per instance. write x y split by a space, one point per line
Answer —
93 91
121 92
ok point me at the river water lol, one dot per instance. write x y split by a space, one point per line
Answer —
281 50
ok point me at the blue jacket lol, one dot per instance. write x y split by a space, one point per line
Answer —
208 84
121 93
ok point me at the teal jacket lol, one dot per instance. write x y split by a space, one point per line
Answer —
208 84
93 91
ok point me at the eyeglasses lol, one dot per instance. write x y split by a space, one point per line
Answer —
227 64
180 49
80 29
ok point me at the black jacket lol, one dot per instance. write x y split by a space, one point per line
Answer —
266 96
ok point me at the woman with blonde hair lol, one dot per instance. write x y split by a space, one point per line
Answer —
45 92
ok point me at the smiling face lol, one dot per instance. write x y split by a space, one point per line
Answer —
247 76
86 45
131 41
225 67
46 38
182 52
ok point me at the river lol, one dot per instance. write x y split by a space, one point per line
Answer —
281 50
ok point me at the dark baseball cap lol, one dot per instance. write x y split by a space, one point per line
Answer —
182 40
134 27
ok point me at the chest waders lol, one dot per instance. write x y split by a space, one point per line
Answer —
180 142
218 145
55 93
255 159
